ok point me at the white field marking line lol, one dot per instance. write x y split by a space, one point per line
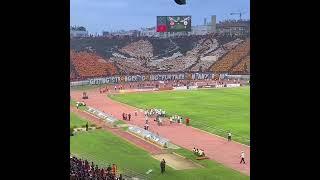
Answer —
179 155
186 159
166 163
218 136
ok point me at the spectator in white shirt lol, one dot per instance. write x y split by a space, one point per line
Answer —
229 136
242 158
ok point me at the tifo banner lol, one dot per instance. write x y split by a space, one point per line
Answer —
219 86
106 80
165 77
152 77
135 78
79 83
201 76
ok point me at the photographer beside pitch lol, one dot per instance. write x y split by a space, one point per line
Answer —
163 166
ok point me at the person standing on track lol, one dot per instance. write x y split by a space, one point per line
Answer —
129 116
146 118
229 136
163 166
242 158
87 126
146 126
123 116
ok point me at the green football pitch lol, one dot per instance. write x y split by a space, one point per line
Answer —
213 110
104 148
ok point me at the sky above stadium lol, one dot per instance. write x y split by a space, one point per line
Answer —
113 15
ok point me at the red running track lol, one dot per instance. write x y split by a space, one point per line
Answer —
215 147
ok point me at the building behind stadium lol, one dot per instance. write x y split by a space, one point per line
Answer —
227 27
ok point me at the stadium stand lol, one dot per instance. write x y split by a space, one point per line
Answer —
232 58
140 49
242 67
90 65
105 56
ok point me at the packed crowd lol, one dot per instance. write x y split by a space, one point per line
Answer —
82 169
91 65
242 67
130 66
227 62
140 49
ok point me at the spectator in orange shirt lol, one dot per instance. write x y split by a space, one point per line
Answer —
114 169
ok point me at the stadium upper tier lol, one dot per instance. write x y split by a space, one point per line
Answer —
101 56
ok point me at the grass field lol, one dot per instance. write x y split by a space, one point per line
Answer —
213 110
104 148
76 121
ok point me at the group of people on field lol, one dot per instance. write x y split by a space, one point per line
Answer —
103 90
198 152
78 104
126 117
154 111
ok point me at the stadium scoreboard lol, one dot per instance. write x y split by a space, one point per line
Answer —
173 23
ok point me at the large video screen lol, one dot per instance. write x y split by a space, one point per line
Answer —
173 23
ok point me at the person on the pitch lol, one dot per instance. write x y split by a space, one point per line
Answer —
146 126
187 121
242 158
229 136
87 126
163 166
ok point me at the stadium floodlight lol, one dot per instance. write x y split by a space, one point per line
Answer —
180 2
